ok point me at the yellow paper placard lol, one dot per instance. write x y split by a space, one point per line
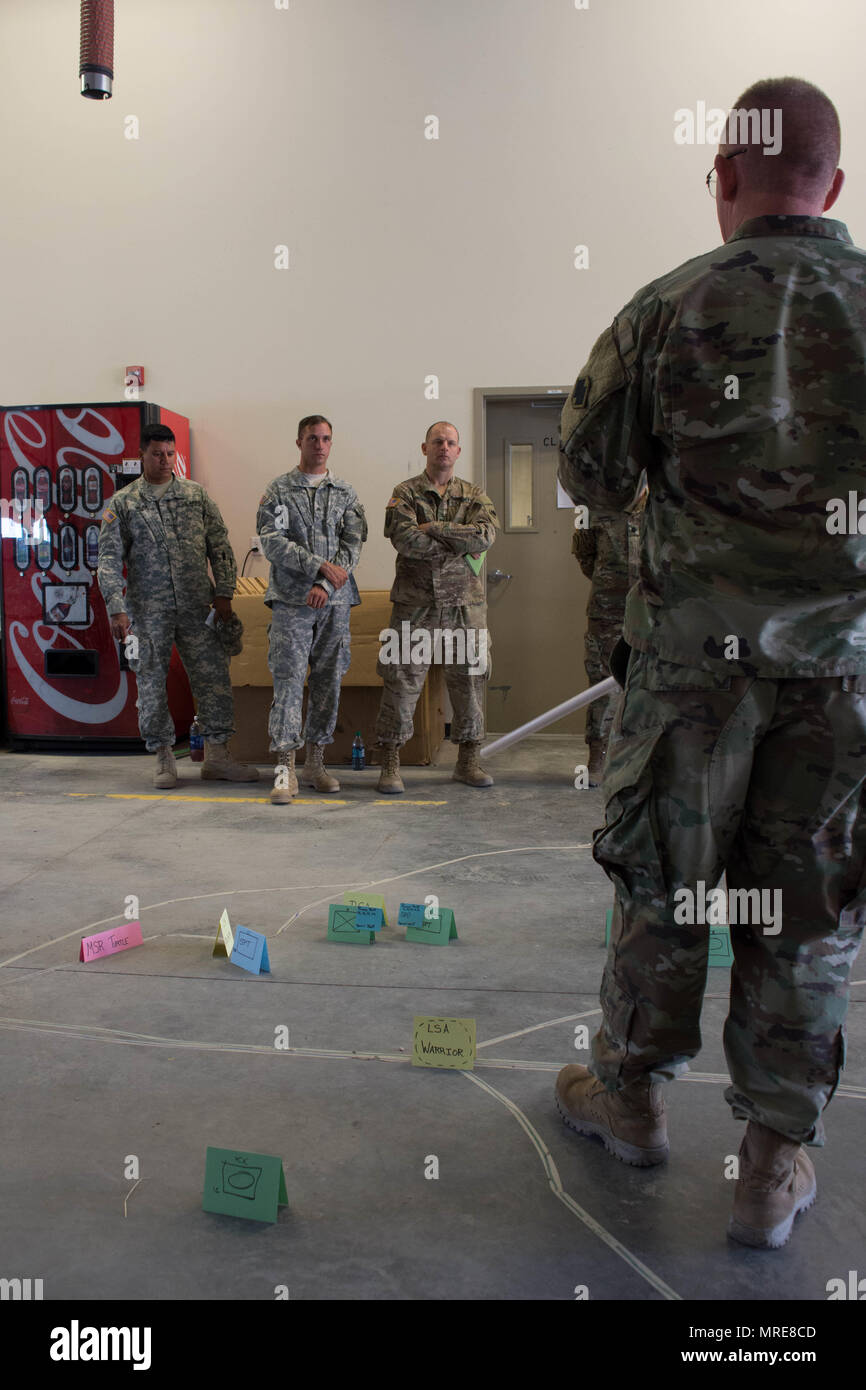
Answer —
225 941
443 1042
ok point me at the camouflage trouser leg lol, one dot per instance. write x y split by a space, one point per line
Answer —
299 636
403 683
764 779
206 664
599 715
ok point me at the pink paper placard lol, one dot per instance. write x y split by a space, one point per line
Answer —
108 943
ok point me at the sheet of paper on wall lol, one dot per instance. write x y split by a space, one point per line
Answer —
562 497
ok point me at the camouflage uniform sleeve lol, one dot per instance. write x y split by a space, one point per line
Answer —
404 533
219 551
474 535
607 422
278 549
353 533
112 554
584 546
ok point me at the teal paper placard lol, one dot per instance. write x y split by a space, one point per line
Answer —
342 926
435 931
252 1186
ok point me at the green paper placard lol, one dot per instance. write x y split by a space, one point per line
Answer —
474 562
341 926
444 1042
608 923
437 931
721 951
252 1186
366 900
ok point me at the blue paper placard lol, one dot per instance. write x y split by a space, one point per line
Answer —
411 915
251 951
369 918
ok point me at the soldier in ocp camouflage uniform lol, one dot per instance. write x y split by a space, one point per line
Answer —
165 530
738 382
312 526
607 552
433 522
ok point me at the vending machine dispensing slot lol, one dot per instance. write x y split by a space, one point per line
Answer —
71 663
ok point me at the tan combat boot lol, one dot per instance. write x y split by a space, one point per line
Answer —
282 796
315 773
597 755
469 769
165 775
390 781
218 766
631 1122
776 1182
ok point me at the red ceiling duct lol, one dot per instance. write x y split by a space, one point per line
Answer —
96 68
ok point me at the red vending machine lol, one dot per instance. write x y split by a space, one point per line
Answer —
65 680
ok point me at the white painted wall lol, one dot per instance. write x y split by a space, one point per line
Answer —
409 256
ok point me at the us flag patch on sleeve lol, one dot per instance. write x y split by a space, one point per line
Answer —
395 502
109 515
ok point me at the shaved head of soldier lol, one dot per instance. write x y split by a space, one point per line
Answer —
780 153
441 448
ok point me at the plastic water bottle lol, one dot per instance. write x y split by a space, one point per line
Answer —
358 759
196 742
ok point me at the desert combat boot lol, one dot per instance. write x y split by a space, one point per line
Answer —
776 1182
285 781
218 766
631 1122
315 774
165 774
469 769
390 782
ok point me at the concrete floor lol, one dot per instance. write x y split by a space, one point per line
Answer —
161 1051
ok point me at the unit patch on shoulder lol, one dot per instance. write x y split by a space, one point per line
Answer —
109 515
581 391
395 502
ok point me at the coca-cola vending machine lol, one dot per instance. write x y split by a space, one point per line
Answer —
65 680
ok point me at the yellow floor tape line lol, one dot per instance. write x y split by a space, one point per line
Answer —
236 800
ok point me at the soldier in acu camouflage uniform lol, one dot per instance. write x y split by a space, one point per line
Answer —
433 522
607 552
738 383
312 527
165 530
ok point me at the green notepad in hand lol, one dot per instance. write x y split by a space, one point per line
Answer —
475 562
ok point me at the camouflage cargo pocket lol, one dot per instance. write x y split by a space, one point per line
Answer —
626 846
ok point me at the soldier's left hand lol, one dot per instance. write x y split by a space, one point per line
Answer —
223 608
316 598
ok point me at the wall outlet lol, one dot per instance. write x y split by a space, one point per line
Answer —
256 545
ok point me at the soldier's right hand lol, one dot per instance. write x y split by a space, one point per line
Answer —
120 625
335 574
316 598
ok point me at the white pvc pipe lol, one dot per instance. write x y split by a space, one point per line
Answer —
595 692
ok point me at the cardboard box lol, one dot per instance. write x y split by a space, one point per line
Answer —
359 697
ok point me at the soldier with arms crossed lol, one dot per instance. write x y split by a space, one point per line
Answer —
433 522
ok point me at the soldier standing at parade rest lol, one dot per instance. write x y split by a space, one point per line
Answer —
311 527
165 530
737 381
607 551
433 522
